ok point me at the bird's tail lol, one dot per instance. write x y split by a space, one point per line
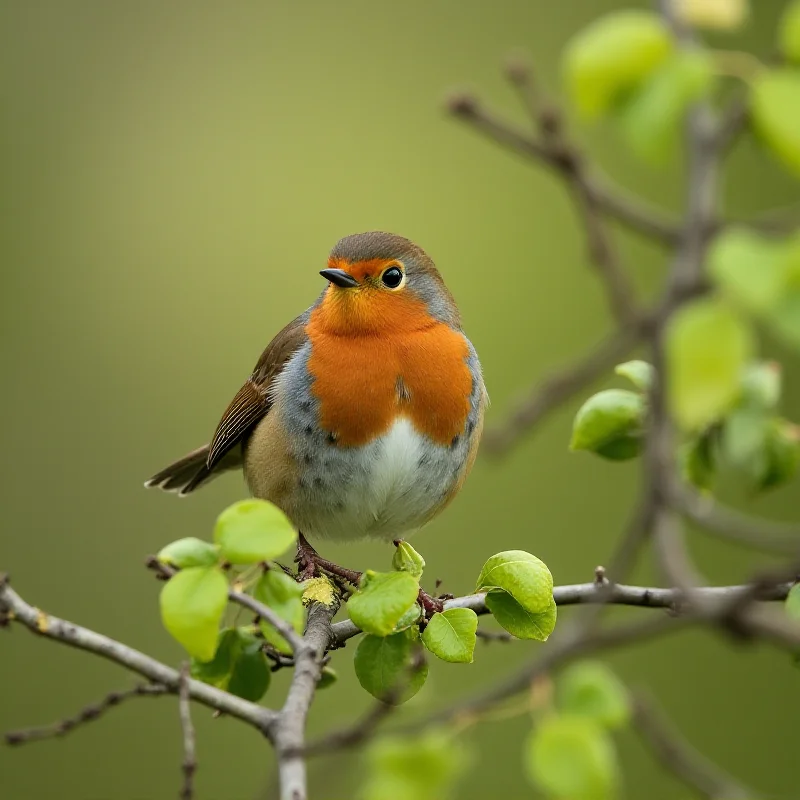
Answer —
186 474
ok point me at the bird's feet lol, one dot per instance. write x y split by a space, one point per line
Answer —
310 564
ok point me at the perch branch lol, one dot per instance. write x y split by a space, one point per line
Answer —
189 758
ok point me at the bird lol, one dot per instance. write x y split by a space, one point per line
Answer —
362 417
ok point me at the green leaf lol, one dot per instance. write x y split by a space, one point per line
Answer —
284 596
189 552
382 600
591 689
192 604
761 385
423 767
652 119
785 318
253 530
749 267
523 624
384 663
610 423
775 111
327 678
611 57
782 454
792 603
723 15
407 559
411 617
639 373
572 758
744 436
239 665
698 461
789 32
250 675
522 575
218 669
450 635
707 348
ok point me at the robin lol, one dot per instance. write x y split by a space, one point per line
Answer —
363 415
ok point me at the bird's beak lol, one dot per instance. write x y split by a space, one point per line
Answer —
340 278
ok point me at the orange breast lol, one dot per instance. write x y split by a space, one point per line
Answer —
365 381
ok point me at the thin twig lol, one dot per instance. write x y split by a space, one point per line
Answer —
735 526
632 213
88 714
680 758
189 757
165 571
69 633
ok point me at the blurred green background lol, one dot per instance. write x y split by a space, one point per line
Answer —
174 176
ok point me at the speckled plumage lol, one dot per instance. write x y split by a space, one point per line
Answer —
382 436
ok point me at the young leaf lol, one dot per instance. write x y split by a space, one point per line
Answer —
250 673
238 666
749 267
253 530
383 664
570 756
612 56
789 32
792 602
707 347
724 15
744 435
382 600
450 635
423 767
327 678
639 373
610 424
192 604
775 107
189 552
782 454
284 596
519 622
698 461
522 575
761 385
591 689
411 617
407 559
218 669
652 119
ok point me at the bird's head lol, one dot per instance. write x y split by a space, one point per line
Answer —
382 283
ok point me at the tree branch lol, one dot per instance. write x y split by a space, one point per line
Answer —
187 728
630 212
679 757
289 731
615 594
89 713
59 630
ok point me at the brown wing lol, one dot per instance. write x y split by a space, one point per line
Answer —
252 401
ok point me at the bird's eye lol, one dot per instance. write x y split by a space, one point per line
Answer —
392 278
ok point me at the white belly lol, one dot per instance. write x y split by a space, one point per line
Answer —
382 490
